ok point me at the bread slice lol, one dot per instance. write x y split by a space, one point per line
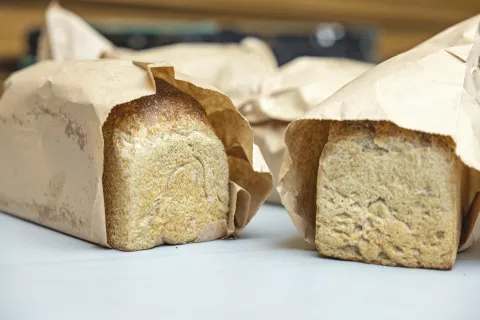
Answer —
388 196
165 171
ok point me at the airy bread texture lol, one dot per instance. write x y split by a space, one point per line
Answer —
388 196
165 171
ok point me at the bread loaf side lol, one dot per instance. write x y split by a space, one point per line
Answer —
165 171
389 196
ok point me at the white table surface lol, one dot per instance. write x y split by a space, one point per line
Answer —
268 273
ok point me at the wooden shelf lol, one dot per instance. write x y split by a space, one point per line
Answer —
384 12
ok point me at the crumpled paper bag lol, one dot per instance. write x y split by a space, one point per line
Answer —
286 95
51 143
235 69
434 88
66 36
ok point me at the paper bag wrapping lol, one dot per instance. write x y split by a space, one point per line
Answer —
66 36
286 95
434 88
235 69
52 147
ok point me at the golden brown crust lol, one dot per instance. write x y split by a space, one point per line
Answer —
169 106
385 128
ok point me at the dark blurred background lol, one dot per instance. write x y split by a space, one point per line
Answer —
369 30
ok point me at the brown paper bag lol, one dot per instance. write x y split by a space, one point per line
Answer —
288 94
434 88
235 69
51 143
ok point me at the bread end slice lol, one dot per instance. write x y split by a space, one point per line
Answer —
389 196
165 171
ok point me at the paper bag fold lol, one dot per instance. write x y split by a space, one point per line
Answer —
433 88
51 118
65 36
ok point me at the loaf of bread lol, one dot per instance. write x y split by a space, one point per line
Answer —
165 171
389 196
